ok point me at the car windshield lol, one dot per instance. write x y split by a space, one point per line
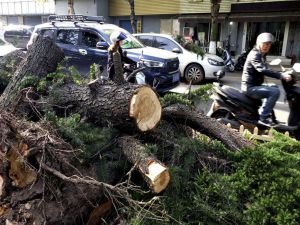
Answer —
129 43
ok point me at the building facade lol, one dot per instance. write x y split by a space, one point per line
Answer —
240 21
26 12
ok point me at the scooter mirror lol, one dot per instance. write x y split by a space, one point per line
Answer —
296 67
275 62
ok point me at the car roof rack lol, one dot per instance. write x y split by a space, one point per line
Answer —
76 18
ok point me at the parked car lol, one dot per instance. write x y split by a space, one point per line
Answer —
6 47
85 40
17 35
193 67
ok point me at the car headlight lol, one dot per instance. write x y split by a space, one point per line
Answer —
150 63
215 62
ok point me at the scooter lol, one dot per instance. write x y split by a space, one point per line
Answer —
133 73
228 60
239 65
232 106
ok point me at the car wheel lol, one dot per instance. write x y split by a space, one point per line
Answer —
194 73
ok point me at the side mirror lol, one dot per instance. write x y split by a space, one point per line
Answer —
176 50
102 45
275 62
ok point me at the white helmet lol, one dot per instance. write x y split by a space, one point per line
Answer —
264 37
117 36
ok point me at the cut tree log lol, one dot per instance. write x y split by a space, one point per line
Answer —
41 59
124 106
206 125
155 173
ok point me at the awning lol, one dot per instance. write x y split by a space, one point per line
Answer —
201 17
265 17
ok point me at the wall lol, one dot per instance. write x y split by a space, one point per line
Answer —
163 7
84 7
150 24
26 7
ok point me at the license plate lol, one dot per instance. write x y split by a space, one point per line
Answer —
176 78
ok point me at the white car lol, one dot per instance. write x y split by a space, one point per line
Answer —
6 47
192 67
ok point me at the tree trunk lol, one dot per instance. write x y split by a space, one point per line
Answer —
215 7
124 106
154 172
71 10
132 16
209 126
118 77
42 58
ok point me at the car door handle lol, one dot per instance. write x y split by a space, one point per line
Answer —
82 51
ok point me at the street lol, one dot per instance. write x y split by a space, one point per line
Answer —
234 80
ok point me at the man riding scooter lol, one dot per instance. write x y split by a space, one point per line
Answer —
255 69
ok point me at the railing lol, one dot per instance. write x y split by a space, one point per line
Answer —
26 7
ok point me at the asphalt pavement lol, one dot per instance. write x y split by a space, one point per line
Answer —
234 80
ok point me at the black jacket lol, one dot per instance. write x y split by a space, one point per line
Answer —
255 69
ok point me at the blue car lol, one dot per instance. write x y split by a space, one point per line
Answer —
85 40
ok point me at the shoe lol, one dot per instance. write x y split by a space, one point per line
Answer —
267 121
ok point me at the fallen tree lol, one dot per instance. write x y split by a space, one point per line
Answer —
37 166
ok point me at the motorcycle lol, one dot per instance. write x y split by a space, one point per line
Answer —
241 61
232 106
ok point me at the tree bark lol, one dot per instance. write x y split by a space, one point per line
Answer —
209 126
154 172
42 58
215 7
132 16
71 10
124 106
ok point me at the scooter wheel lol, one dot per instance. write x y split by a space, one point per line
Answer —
231 68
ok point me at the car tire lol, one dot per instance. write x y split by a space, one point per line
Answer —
194 73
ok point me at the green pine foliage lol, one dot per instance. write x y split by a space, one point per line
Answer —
200 94
256 186
189 46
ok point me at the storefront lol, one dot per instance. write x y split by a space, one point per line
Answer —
278 18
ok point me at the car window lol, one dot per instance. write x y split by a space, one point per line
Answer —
164 43
90 39
146 40
48 33
67 37
129 43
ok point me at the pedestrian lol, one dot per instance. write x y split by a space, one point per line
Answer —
116 57
255 69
